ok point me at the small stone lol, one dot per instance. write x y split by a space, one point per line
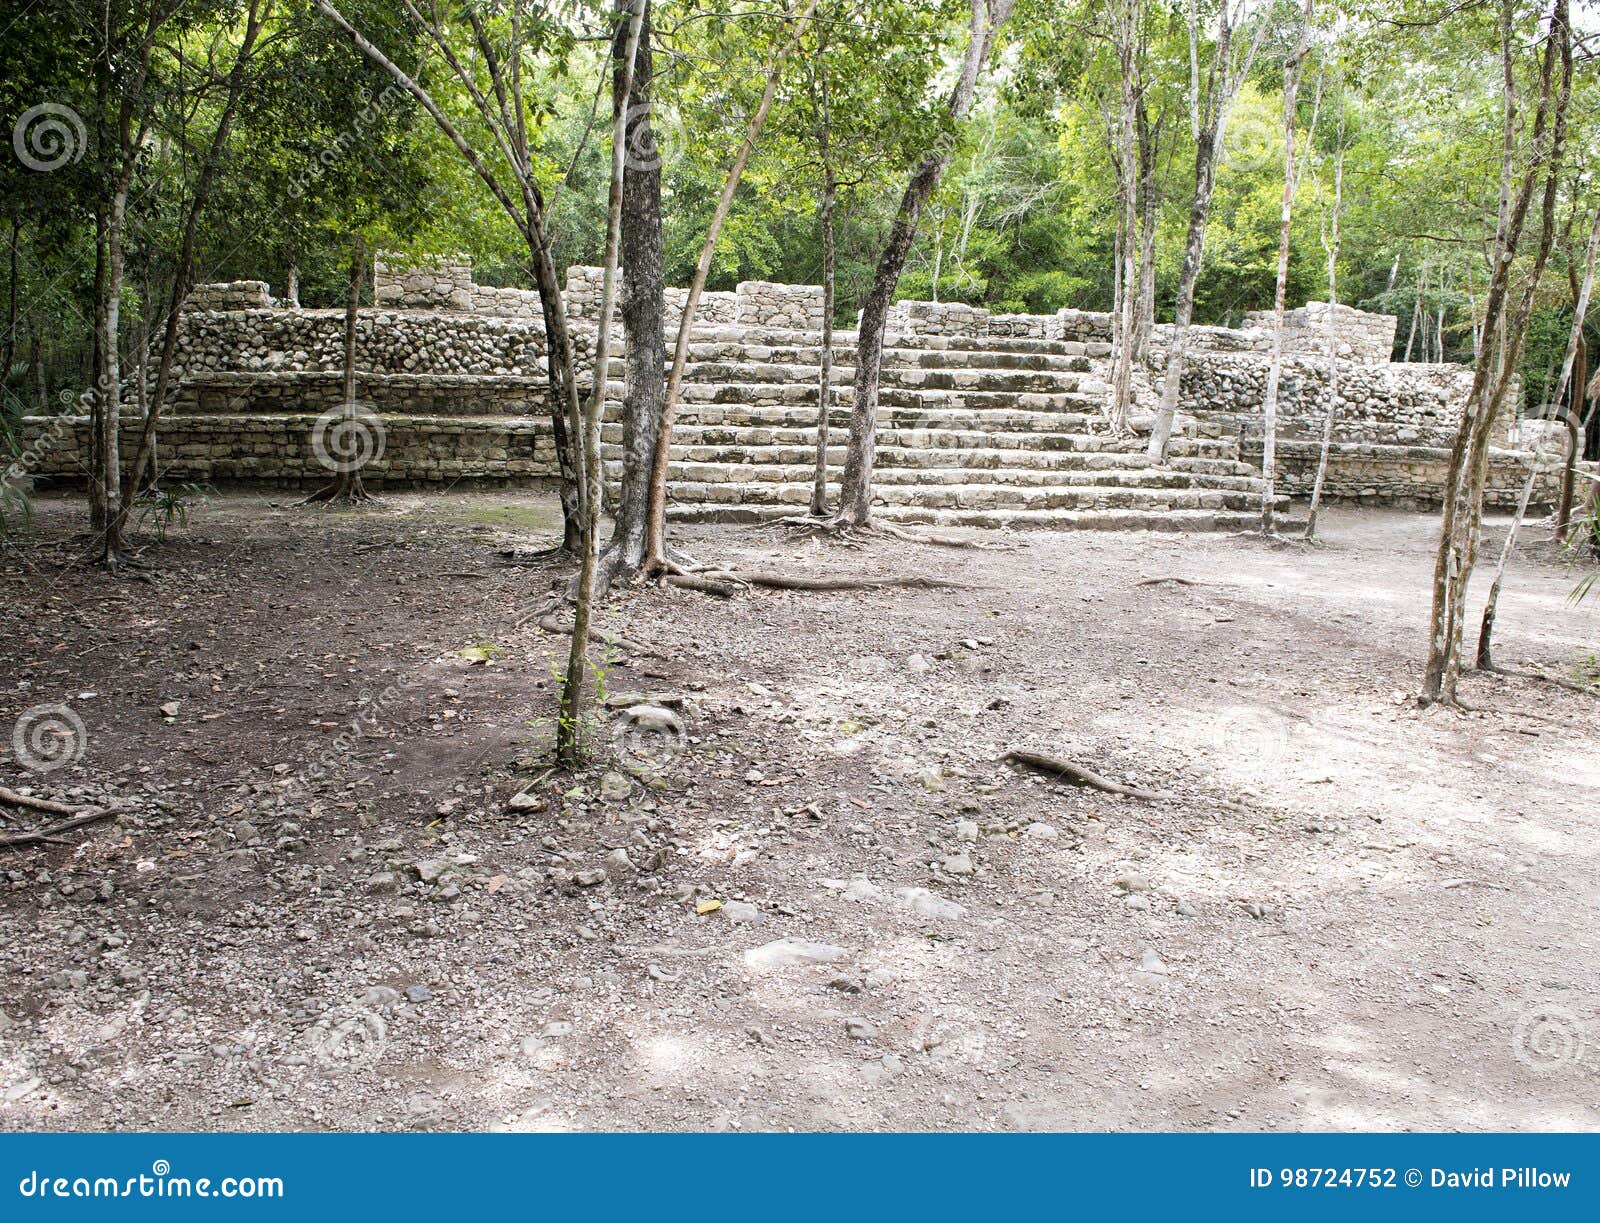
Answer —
918 665
1153 964
524 802
957 864
1131 883
245 831
754 776
618 862
1184 909
1042 832
589 878
789 952
170 709
741 912
860 889
385 883
930 778
431 870
859 1029
966 830
924 903
304 933
614 787
418 993
559 1027
1137 903
654 718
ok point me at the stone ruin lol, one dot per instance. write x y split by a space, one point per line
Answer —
988 419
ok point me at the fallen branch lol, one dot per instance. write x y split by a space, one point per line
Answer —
47 835
38 804
1172 581
783 581
1540 674
705 585
1078 775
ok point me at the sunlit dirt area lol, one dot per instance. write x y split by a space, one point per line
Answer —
342 889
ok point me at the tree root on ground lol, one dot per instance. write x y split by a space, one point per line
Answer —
49 835
336 494
1078 775
850 532
1537 674
48 806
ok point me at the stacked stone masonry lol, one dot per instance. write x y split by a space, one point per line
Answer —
989 419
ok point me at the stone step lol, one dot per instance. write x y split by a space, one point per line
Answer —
966 378
979 496
809 357
689 433
769 337
684 470
1167 521
777 394
912 459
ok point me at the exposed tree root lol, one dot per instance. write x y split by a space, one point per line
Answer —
550 624
1078 775
1537 674
1172 582
48 806
339 493
852 532
45 836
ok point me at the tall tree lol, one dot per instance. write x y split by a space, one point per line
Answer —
1209 105
855 506
1269 408
1505 324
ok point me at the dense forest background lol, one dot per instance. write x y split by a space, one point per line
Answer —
320 145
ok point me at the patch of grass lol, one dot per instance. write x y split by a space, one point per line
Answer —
510 517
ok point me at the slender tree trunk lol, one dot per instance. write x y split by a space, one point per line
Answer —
1504 331
1126 24
183 275
1209 124
8 349
643 316
819 481
107 467
1332 342
569 745
1574 362
1491 608
1269 408
656 534
41 389
855 501
291 290
1416 314
1145 310
347 485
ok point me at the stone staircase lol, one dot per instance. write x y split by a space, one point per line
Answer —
987 432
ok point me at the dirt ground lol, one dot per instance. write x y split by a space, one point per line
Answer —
810 896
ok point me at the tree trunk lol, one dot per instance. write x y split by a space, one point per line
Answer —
347 485
1269 408
855 500
569 724
144 454
643 317
1332 342
830 190
8 348
1145 311
1503 334
1126 21
41 389
1490 609
1574 362
1209 123
107 466
291 290
656 532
